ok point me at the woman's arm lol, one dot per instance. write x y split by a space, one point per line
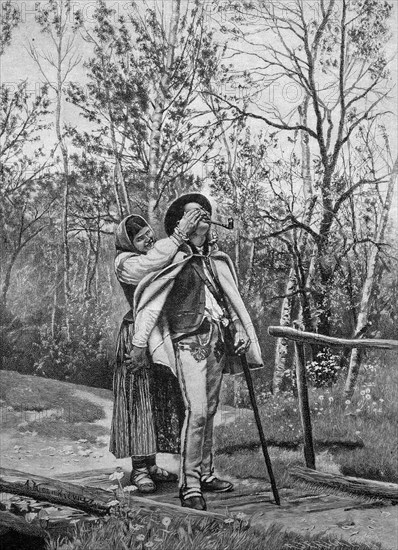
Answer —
131 268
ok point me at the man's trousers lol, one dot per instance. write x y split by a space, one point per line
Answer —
200 361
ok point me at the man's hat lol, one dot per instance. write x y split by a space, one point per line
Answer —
176 209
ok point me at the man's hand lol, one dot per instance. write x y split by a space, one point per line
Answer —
189 221
136 359
241 339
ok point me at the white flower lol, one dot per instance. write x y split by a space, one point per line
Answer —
140 537
348 402
321 398
117 474
368 396
331 399
367 390
363 392
166 521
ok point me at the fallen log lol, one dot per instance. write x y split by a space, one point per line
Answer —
354 485
94 501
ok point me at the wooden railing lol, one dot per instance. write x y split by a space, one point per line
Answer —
300 338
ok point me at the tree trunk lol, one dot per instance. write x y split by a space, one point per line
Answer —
157 118
7 279
281 351
370 283
66 182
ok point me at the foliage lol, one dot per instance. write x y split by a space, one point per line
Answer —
82 358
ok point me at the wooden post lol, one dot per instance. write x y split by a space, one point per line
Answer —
304 406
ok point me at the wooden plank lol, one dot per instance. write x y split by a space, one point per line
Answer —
304 406
365 487
313 338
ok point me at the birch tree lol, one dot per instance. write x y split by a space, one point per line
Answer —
56 22
143 98
323 50
371 279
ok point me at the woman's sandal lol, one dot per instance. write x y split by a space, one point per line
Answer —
159 474
141 478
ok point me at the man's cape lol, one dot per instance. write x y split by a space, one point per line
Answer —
150 320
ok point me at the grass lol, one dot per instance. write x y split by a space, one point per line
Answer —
34 393
360 434
58 429
152 532
49 407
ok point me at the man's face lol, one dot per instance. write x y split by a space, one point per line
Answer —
204 224
144 241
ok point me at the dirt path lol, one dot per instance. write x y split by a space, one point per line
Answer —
300 511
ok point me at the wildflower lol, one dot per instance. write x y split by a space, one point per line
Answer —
166 521
381 400
321 398
117 474
368 396
241 516
140 537
363 392
367 390
149 544
228 520
348 402
331 399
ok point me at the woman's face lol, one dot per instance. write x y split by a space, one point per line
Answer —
144 240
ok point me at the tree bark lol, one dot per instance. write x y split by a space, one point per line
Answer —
281 350
371 280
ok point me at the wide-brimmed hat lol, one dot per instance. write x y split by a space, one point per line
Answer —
176 209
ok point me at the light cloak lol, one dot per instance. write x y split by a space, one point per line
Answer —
151 325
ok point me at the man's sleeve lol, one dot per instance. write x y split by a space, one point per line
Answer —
132 268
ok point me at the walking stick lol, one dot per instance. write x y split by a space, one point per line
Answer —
252 395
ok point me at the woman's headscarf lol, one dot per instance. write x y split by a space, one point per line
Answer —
126 231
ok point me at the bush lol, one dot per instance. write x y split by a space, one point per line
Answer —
83 359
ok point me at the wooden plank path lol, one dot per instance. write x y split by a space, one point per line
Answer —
304 511
248 497
301 509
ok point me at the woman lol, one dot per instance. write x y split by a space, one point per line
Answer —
148 409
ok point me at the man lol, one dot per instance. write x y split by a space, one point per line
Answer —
184 312
148 408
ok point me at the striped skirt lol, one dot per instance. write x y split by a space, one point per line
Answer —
148 410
